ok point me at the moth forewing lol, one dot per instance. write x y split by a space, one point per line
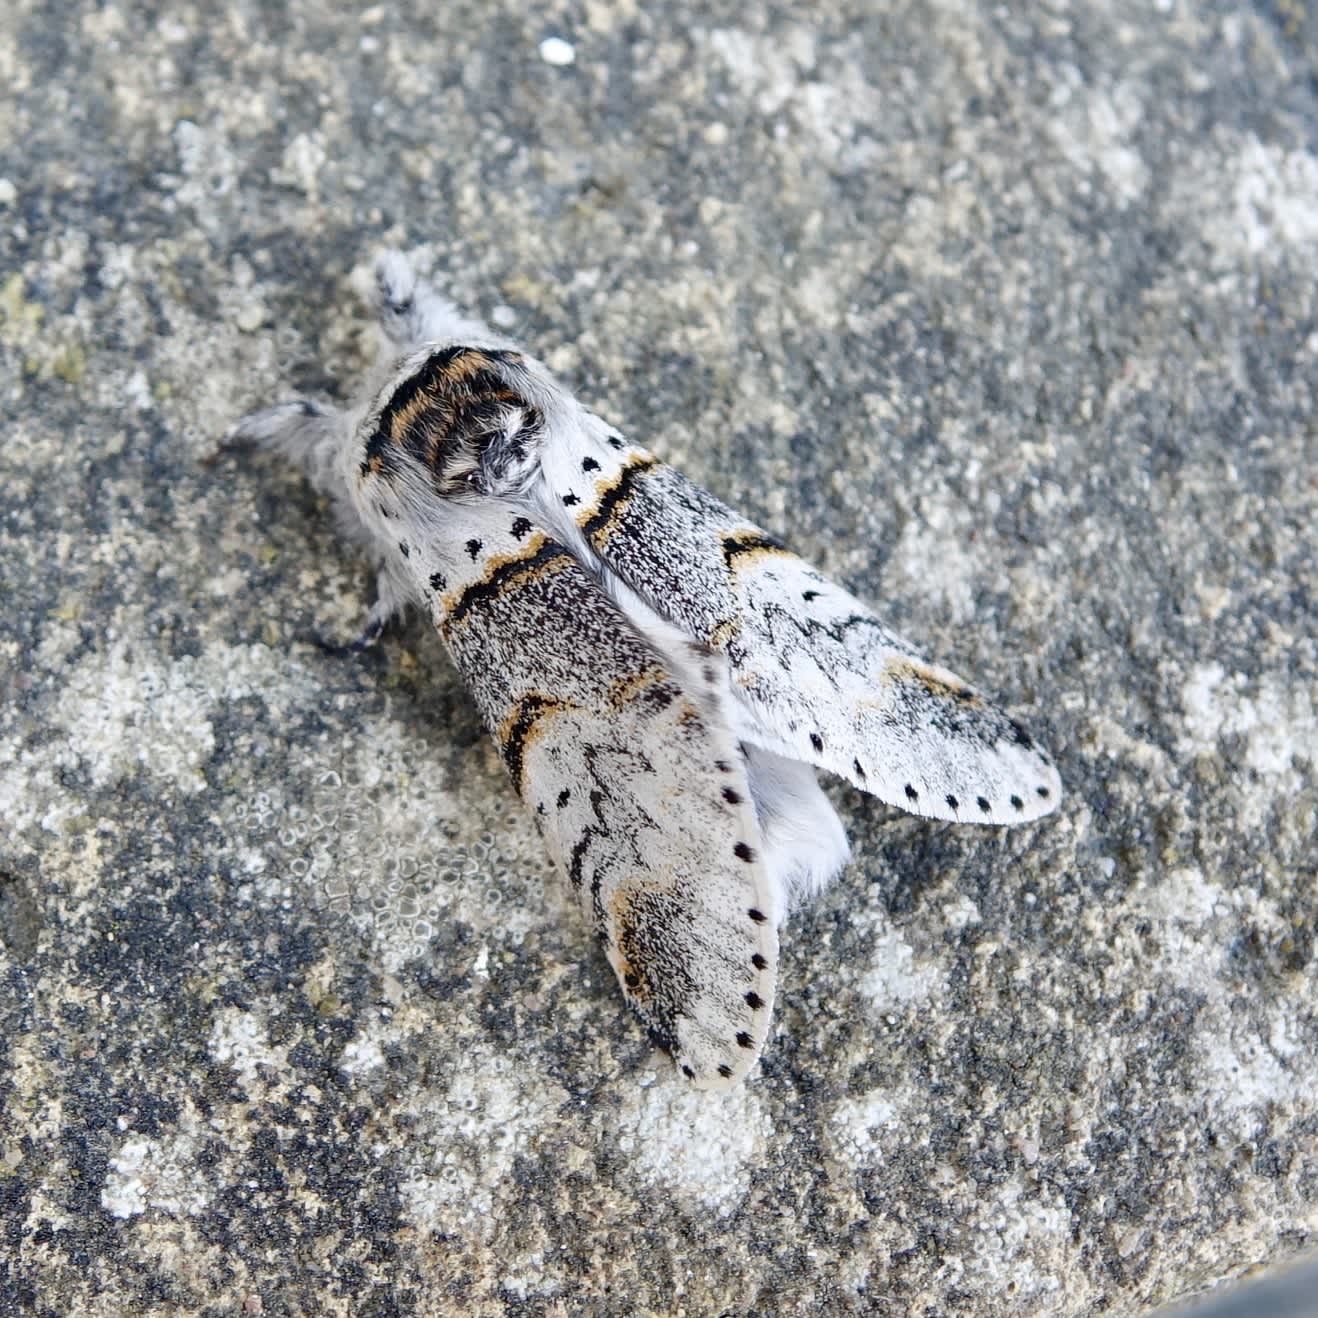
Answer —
816 675
630 772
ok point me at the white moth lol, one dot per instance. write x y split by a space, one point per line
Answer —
661 676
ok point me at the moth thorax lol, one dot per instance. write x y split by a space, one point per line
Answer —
460 416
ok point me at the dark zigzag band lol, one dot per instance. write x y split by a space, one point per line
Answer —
618 495
506 575
519 728
743 544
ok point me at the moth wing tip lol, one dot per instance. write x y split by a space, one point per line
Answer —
719 1077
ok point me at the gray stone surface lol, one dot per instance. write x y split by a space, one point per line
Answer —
1006 315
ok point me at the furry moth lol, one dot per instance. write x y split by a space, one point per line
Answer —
661 677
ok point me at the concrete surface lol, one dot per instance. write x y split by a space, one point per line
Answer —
1005 315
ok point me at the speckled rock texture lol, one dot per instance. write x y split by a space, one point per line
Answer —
1004 315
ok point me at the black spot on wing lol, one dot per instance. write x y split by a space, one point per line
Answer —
474 549
576 862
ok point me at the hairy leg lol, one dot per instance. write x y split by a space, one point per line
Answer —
304 432
412 313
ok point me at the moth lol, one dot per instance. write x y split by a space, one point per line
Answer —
662 677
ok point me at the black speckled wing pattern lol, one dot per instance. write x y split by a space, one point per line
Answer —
635 782
816 675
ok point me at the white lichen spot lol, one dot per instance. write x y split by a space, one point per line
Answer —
857 1125
1277 722
155 1173
239 1039
1184 897
779 76
1276 197
304 157
1246 1061
1180 907
130 708
1253 201
1095 129
959 913
360 1054
209 168
137 390
767 69
1020 1230
469 1143
936 558
703 1150
894 978
1246 1072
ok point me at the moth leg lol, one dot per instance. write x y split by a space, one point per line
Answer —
266 427
291 423
410 311
305 432
390 602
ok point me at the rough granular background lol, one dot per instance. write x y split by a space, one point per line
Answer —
1004 315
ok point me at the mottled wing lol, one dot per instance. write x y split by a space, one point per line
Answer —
637 786
818 676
